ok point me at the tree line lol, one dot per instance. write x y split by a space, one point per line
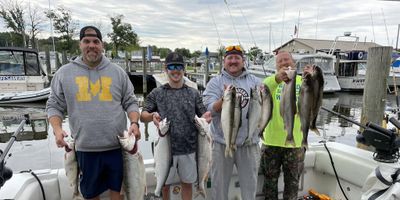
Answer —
25 22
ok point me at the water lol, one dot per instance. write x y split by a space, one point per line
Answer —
42 153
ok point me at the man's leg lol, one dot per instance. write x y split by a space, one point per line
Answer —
165 192
115 195
221 172
186 191
270 166
246 160
293 162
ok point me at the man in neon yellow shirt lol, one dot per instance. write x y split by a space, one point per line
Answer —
274 152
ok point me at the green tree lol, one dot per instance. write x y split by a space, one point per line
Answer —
8 39
254 53
184 52
63 23
123 37
196 54
164 52
12 13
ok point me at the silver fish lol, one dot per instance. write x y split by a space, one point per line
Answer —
230 118
267 107
162 157
203 154
254 113
72 168
134 182
288 105
310 101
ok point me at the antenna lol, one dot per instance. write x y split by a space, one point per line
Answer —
283 21
215 25
298 25
251 33
384 21
316 26
52 32
233 24
373 29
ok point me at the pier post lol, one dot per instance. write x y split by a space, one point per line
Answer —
64 58
48 65
375 93
144 64
206 71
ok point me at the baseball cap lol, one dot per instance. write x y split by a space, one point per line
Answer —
174 58
84 29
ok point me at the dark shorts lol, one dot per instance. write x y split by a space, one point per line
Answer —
100 171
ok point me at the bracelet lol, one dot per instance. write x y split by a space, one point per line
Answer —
137 124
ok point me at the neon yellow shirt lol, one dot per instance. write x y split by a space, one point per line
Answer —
275 134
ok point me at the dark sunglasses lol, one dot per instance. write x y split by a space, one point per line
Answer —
175 67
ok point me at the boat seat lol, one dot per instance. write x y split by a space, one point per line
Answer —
349 168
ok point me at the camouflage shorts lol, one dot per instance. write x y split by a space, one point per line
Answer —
292 162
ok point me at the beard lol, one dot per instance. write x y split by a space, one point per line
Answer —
92 57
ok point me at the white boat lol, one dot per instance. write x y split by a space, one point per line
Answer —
351 72
22 78
326 62
161 79
352 165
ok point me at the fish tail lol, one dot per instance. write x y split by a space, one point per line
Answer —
316 131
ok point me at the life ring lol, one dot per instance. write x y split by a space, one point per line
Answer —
360 55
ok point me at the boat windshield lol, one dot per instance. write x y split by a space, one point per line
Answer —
12 63
326 63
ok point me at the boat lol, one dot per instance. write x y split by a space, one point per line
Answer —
22 78
326 62
353 165
351 67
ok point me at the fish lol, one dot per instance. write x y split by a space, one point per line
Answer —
310 101
162 156
288 105
134 181
72 168
237 121
254 113
127 142
204 154
266 109
230 118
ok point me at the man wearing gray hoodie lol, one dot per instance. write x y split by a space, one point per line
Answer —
246 156
96 95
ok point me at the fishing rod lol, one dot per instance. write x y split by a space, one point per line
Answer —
344 117
5 172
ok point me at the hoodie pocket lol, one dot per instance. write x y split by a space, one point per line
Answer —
97 134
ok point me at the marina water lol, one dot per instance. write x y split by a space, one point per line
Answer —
38 153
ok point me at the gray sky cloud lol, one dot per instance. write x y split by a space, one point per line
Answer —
189 24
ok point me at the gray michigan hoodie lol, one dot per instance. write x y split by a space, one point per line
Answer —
96 101
215 90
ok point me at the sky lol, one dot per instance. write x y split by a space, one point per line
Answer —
197 24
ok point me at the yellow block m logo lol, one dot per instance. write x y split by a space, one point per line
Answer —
87 89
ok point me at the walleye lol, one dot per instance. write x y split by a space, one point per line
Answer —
72 168
288 105
203 153
310 100
162 156
267 106
134 182
230 118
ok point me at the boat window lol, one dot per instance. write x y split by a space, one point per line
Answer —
11 63
32 66
326 64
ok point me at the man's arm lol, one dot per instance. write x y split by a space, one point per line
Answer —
148 117
56 122
134 124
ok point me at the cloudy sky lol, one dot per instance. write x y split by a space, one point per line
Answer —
197 24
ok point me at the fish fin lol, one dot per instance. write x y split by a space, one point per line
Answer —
315 130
